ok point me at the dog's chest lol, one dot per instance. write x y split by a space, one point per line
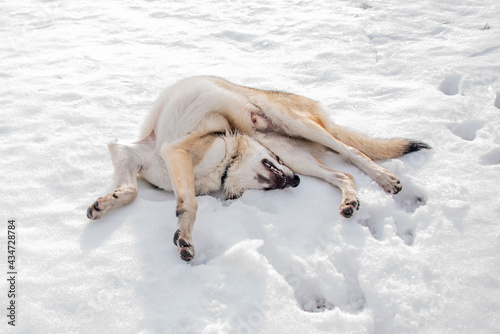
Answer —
208 173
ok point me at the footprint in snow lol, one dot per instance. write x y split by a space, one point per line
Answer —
411 197
404 228
375 226
451 84
408 201
467 129
491 158
321 293
318 286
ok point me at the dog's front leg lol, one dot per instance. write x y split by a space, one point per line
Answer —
181 172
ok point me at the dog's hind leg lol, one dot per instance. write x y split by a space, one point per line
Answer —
127 160
306 128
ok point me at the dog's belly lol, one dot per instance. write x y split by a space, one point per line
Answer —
155 172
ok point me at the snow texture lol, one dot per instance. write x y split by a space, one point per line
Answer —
76 75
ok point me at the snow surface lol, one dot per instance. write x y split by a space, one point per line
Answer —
77 75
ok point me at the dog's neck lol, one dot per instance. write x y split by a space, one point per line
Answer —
229 165
224 175
231 157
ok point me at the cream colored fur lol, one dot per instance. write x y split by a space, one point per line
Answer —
202 128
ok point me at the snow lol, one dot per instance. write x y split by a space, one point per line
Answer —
77 75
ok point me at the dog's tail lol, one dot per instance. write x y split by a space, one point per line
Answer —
376 148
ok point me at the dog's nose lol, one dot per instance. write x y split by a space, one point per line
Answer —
295 181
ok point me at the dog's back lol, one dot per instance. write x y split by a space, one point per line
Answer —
192 104
212 104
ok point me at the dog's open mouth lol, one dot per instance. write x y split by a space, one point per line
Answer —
279 176
281 181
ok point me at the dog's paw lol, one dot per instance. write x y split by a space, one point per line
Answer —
94 211
348 207
185 248
389 183
121 196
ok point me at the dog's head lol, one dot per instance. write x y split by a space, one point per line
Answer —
255 167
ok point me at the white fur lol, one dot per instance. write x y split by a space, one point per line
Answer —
187 106
187 145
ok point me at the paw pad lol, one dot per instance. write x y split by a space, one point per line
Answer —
94 207
350 207
185 249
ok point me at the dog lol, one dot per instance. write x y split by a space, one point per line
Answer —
204 134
